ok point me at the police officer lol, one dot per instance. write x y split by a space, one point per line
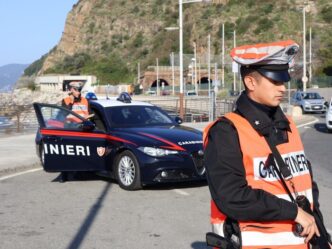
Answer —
75 101
78 104
247 195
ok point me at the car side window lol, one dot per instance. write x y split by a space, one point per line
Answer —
55 117
97 119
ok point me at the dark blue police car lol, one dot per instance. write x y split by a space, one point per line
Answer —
134 142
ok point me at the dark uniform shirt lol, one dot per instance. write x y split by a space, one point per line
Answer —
226 173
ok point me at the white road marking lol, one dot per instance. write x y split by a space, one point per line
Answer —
309 123
18 174
181 192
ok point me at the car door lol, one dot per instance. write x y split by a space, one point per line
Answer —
67 143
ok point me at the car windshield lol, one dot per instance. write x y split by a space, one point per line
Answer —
311 96
133 116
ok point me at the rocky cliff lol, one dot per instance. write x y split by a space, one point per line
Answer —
104 34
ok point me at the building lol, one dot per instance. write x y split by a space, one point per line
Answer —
55 83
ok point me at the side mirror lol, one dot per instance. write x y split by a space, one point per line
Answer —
178 120
87 126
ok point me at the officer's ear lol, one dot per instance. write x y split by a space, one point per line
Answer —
250 82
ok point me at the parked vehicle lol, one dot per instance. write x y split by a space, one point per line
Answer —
328 117
191 93
5 123
309 101
150 92
134 142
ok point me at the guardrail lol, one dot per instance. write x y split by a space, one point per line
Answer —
21 119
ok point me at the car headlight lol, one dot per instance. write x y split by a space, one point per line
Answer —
157 152
306 103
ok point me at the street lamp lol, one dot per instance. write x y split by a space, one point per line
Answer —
181 48
235 66
304 76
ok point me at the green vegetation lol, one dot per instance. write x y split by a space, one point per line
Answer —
118 34
108 70
72 64
327 14
35 66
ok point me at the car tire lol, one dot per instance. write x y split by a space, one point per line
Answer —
303 111
42 154
127 171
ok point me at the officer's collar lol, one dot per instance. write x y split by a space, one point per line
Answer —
261 117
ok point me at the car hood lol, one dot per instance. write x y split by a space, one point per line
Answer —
168 137
315 101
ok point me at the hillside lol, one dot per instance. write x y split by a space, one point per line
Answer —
9 74
109 37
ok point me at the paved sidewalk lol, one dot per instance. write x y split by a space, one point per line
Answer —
17 152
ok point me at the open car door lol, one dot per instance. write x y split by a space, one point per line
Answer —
69 142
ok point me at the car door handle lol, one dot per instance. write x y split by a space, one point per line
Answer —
53 138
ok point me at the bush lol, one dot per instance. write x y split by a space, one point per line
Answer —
267 8
138 41
242 25
35 66
327 14
111 69
91 27
263 25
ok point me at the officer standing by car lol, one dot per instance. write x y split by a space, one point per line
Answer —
78 104
251 207
75 101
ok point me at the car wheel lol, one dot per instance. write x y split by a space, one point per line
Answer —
42 154
127 171
303 111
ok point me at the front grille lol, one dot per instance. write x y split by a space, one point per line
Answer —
198 159
316 107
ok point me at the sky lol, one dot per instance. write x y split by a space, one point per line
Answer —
30 28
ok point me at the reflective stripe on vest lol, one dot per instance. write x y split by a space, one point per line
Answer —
80 108
276 234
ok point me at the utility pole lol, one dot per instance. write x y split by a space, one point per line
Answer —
234 73
138 73
195 67
209 66
157 62
215 78
310 57
173 77
304 75
223 57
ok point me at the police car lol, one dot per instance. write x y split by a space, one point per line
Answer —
134 142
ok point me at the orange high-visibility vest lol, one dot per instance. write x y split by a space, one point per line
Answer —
255 150
81 108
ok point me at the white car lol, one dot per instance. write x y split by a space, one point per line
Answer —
329 117
309 101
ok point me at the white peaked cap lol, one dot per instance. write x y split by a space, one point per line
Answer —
274 53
